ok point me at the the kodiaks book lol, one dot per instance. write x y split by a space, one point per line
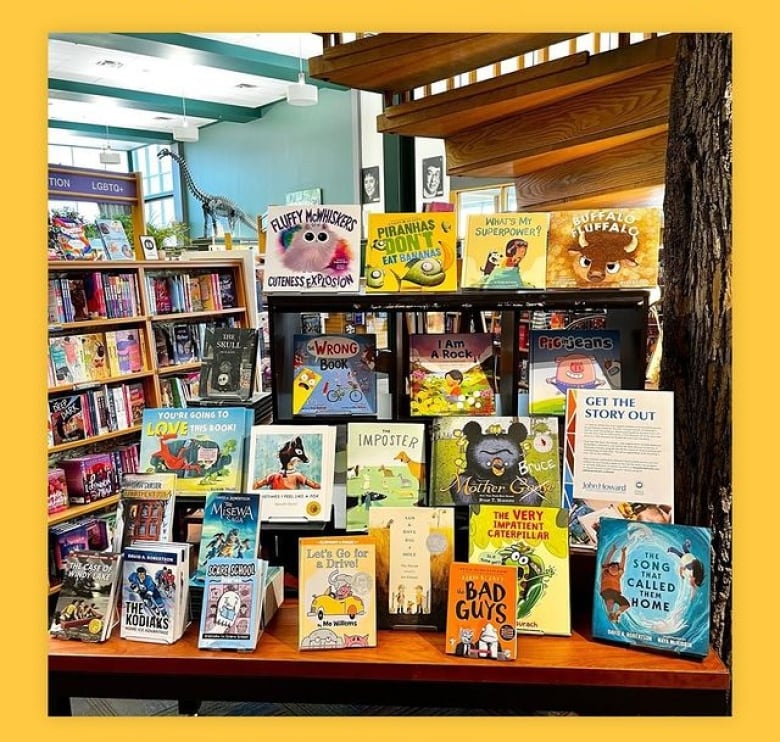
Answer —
411 252
337 592
604 248
291 467
333 374
652 586
560 360
536 541
414 549
145 509
86 603
452 374
481 610
313 248
618 459
229 363
385 467
495 460
204 447
231 528
505 251
232 603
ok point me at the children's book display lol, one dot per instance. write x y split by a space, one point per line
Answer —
145 509
452 374
337 593
481 611
155 592
334 375
385 467
313 248
228 365
414 549
204 447
495 460
536 541
652 586
232 603
603 249
618 459
231 528
410 252
505 251
560 360
86 604
291 467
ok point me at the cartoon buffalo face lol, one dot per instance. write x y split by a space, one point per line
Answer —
600 255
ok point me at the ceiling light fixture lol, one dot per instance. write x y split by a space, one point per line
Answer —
301 93
185 132
107 155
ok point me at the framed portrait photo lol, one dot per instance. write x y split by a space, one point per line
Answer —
433 177
370 187
149 246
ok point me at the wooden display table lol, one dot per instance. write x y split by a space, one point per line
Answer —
407 668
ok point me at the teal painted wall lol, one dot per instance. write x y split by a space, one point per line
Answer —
289 149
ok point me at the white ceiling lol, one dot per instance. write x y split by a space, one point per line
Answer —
171 72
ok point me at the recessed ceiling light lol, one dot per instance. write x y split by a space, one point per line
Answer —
163 118
112 63
245 86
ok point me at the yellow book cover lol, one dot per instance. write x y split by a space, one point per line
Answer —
536 541
112 352
411 252
481 611
505 251
95 355
604 248
336 592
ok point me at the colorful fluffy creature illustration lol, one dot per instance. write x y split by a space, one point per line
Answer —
314 248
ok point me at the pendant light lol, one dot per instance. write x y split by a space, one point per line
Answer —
185 132
107 155
301 93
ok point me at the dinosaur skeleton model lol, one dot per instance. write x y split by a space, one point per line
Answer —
213 206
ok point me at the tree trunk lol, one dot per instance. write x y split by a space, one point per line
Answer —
696 363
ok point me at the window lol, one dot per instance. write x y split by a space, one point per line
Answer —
490 200
157 181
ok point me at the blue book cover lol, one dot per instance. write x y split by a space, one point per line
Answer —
334 375
652 586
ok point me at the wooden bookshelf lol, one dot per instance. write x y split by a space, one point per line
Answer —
76 511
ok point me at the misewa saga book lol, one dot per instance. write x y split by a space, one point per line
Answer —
652 586
313 248
411 252
505 251
536 541
604 248
337 592
451 374
481 600
333 374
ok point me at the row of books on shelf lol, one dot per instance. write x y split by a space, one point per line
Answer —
93 295
318 248
68 239
184 342
191 292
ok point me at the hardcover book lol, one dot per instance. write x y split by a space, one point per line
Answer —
292 469
414 549
67 416
652 586
145 509
411 252
334 375
618 459
229 363
86 604
313 248
204 447
337 592
481 611
115 242
496 460
452 374
606 248
505 251
68 240
536 541
560 360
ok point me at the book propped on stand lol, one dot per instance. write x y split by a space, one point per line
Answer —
228 364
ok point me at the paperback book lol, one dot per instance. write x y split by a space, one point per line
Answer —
505 251
313 248
481 610
496 460
652 586
337 592
414 550
145 509
292 469
116 246
411 252
229 362
560 360
536 541
452 374
334 375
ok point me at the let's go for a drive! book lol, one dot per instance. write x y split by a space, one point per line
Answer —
652 586
536 541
